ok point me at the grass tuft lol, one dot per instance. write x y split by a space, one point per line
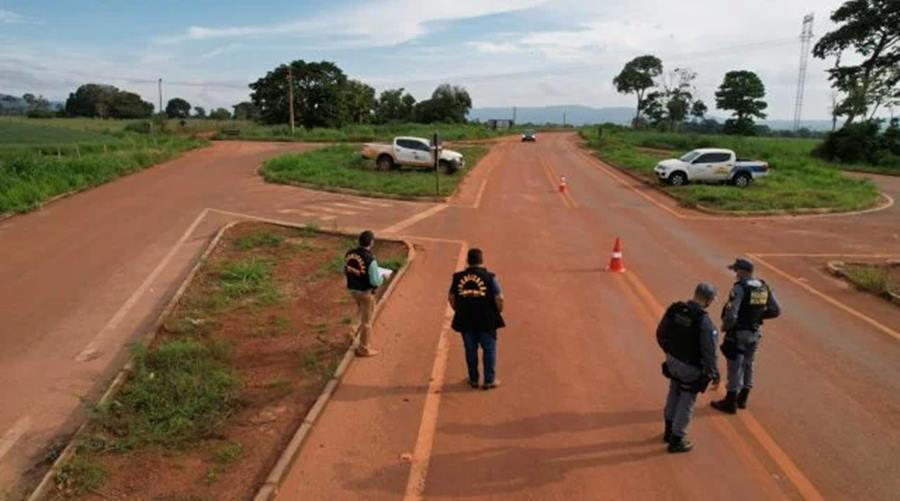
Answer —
260 239
249 278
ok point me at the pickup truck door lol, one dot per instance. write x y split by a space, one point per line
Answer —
405 151
423 154
711 167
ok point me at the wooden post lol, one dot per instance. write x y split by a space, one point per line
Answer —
437 174
291 97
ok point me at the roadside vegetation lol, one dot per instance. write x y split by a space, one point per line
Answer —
798 181
360 132
233 369
342 166
38 163
879 279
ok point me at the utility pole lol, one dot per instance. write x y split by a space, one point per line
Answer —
514 116
159 85
290 80
564 119
805 38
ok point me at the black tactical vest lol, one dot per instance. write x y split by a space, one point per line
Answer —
753 307
476 308
681 336
356 268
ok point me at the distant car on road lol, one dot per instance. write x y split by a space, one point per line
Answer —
710 165
529 136
414 152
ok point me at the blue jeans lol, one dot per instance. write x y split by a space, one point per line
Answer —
488 343
740 369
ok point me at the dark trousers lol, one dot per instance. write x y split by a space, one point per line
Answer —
488 343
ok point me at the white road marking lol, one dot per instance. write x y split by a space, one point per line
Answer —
414 219
335 211
374 204
349 206
12 436
91 351
327 218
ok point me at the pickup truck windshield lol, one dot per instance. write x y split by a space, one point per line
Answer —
690 156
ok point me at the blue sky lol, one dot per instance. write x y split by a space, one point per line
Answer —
506 52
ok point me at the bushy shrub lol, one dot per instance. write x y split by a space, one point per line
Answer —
862 142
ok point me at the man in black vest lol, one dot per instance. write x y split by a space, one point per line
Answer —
688 337
750 303
477 302
363 279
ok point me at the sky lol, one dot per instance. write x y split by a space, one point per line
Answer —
504 52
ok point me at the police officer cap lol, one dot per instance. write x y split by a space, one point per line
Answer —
705 290
741 264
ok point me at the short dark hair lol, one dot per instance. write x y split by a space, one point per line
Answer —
366 238
475 256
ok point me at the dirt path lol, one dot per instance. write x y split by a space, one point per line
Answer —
578 415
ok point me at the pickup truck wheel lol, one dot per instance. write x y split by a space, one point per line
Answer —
384 162
677 179
742 180
446 167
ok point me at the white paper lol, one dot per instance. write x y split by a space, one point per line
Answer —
385 273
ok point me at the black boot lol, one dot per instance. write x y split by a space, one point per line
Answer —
679 444
667 436
727 405
742 398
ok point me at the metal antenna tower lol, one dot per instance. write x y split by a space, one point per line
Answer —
805 38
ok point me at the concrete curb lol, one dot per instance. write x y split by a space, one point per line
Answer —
837 268
884 201
276 476
47 482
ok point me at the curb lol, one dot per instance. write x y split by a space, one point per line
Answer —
837 268
270 487
884 201
46 483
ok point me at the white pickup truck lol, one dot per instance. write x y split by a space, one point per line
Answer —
414 152
710 165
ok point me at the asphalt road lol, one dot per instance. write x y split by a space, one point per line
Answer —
579 413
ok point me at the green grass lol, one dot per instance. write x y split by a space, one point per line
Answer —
260 239
364 133
393 263
29 176
797 181
14 133
82 474
876 279
342 166
111 126
249 278
178 393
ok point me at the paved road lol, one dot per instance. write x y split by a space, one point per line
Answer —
578 415
86 275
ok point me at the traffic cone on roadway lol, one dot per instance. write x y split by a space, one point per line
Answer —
616 264
562 184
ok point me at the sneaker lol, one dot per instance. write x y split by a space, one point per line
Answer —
491 385
473 384
679 444
366 352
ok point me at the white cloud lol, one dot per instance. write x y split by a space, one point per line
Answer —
365 24
9 17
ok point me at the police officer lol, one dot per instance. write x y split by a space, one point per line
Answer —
750 303
363 279
688 337
477 302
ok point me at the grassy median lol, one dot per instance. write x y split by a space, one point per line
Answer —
798 182
342 166
880 279
213 400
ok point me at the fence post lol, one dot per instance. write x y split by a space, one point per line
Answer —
437 174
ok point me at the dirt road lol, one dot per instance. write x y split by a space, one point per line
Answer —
579 413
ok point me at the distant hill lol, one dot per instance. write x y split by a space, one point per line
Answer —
580 115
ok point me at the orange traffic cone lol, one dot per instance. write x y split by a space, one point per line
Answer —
562 184
616 264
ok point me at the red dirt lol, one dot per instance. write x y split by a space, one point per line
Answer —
270 346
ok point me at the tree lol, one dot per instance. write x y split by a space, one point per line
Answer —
178 108
358 102
448 104
636 77
673 100
742 92
394 106
872 29
28 98
698 110
126 104
90 100
246 111
219 114
318 90
199 112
